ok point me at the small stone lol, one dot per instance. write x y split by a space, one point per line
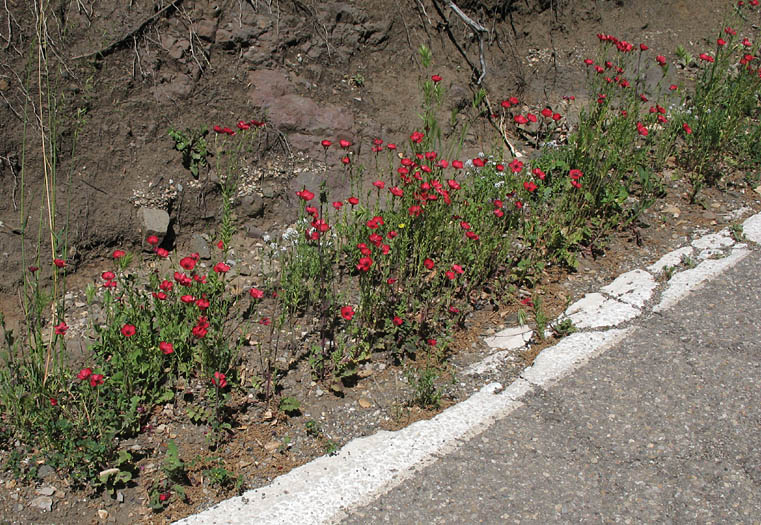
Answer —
120 496
200 246
103 514
319 392
44 471
155 222
364 403
672 210
45 491
271 446
253 205
44 503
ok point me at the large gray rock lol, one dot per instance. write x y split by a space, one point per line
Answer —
155 222
199 245
42 503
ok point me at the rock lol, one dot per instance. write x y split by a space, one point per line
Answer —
44 503
155 222
253 232
103 514
271 446
199 245
45 491
120 496
207 29
364 403
672 210
253 205
44 471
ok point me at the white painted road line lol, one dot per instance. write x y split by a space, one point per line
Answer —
366 467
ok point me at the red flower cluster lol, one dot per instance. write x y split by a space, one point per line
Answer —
219 380
201 328
94 379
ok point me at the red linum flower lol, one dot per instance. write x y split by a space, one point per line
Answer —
188 263
166 348
84 373
344 143
417 137
520 119
353 201
95 380
428 263
108 276
221 267
118 254
162 252
347 312
60 328
60 263
530 186
305 195
687 129
398 321
128 330
326 144
661 60
379 184
243 125
265 321
219 380
152 240
478 162
516 166
364 264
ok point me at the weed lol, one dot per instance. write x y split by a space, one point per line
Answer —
425 392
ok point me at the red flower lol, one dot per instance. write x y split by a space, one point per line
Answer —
539 173
265 321
305 195
379 184
661 60
221 245
392 234
432 342
164 496
84 373
498 212
118 254
128 330
721 42
472 236
520 119
428 263
556 116
188 263
643 47
456 164
60 328
457 268
346 160
518 204
161 296
516 166
454 310
397 320
152 240
221 267
243 125
202 303
391 146
326 144
415 211
53 402
32 269
347 312
706 57
530 186
166 285
162 252
108 276
436 79
353 201
575 174
547 113
687 129
642 130
256 293
364 264
450 275
344 143
166 348
219 380
396 192
417 137
59 263
95 380
531 117
199 331
478 162
218 129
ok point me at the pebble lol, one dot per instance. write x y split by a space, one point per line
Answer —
42 503
45 491
103 514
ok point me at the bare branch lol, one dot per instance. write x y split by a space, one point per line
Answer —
113 46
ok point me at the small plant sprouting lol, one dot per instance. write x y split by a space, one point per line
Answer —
192 144
425 392
736 230
289 406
